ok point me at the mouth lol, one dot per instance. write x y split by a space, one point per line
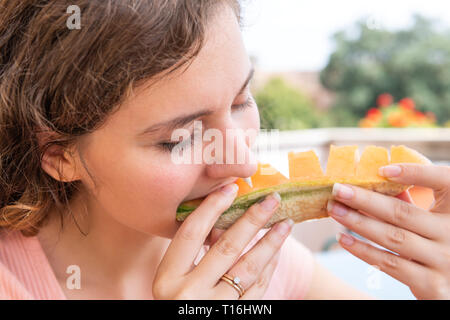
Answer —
214 188
220 185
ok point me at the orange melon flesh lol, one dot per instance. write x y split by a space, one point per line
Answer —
423 197
304 166
306 192
342 162
371 160
401 154
265 176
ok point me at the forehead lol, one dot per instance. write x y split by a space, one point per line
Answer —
211 80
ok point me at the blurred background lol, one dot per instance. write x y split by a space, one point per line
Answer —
351 72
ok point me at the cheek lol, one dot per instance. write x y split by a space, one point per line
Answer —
164 182
143 191
249 119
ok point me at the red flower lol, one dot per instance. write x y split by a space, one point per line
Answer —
407 104
419 115
374 113
384 100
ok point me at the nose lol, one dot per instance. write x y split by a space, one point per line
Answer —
235 158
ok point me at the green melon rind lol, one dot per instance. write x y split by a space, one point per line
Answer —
300 200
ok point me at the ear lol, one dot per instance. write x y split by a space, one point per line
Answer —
60 163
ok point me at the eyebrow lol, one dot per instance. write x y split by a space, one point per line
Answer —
185 119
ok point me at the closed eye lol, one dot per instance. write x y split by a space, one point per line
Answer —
244 105
168 145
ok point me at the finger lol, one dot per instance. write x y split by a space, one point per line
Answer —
251 265
213 236
430 176
408 272
227 249
188 240
390 209
401 241
259 287
257 290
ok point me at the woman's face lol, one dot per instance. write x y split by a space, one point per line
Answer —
136 182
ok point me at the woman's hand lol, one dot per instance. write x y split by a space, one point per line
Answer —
419 238
178 277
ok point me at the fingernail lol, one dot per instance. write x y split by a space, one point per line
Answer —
230 189
271 201
343 192
336 209
344 239
285 226
390 171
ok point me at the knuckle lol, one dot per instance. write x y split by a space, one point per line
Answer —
395 236
250 266
254 217
226 247
389 261
411 170
356 219
183 294
401 211
445 254
159 290
274 241
219 201
262 282
439 286
189 232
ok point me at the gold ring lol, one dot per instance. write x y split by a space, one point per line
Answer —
234 282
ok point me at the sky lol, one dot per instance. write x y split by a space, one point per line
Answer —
296 35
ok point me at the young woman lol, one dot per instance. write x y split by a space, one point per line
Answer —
88 190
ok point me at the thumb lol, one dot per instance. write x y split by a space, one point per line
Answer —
430 176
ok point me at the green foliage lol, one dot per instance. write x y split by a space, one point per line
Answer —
285 108
408 63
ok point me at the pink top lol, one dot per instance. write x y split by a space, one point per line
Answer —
25 272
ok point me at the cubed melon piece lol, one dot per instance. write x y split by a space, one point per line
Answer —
402 153
372 158
265 176
342 162
304 165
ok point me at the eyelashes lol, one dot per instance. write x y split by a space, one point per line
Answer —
244 105
169 145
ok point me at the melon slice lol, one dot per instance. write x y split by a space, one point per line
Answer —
404 154
304 166
342 162
305 194
372 158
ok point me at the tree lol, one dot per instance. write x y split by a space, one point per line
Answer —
413 63
284 107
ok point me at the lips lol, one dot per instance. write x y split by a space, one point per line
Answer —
214 188
222 184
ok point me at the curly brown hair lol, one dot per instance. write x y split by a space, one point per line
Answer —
65 82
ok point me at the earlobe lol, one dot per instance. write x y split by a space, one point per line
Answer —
60 164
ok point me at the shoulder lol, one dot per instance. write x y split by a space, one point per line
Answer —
10 284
